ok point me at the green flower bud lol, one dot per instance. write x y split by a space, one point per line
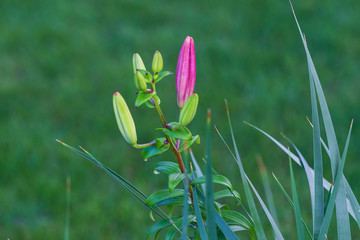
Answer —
157 64
124 119
189 110
138 64
140 81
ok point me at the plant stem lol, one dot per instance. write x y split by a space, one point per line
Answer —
172 145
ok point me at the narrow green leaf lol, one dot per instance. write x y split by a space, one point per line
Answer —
342 216
292 205
219 179
146 74
187 144
318 210
178 132
153 151
250 200
179 223
157 227
276 229
199 220
174 180
167 167
352 204
209 193
142 98
335 192
163 194
161 75
299 227
238 219
226 193
185 199
178 201
126 184
220 222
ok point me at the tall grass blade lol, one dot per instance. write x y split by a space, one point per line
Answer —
318 210
198 171
199 220
68 202
250 200
353 206
268 193
186 199
276 229
292 205
352 203
209 200
335 191
299 227
342 216
224 227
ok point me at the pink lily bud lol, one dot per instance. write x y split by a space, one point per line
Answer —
185 71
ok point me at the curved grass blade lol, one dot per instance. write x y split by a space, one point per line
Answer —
209 200
127 185
335 192
342 216
219 179
299 227
239 220
352 203
254 213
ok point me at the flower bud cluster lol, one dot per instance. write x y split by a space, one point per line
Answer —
145 82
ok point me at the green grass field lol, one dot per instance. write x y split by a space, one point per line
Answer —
61 61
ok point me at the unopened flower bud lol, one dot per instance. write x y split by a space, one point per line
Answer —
140 81
124 119
185 71
188 112
138 64
157 64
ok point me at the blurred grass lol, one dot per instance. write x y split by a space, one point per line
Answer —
61 61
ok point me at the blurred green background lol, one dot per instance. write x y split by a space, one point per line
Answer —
61 61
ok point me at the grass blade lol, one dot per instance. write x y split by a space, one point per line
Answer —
318 210
276 229
68 201
186 200
268 192
342 216
299 227
353 206
335 192
292 205
127 185
198 216
224 227
209 200
250 200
